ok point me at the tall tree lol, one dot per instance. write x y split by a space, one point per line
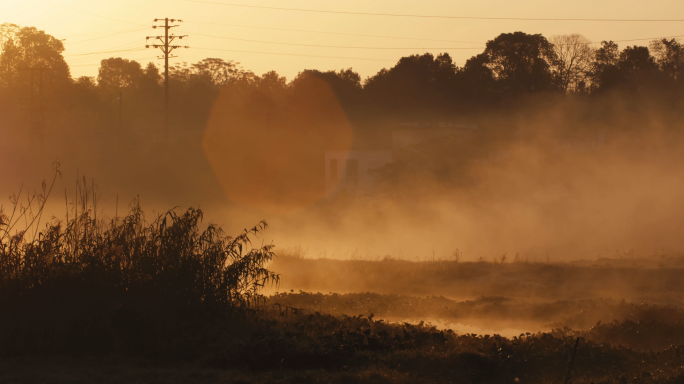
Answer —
415 83
574 58
637 66
30 48
669 55
7 31
345 84
478 79
520 62
271 83
150 81
116 74
220 72
604 68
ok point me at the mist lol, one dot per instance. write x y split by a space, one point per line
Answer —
578 169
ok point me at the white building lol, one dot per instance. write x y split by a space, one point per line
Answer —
348 171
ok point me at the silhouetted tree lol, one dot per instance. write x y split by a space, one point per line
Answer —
345 85
478 79
604 72
7 31
669 55
220 72
415 83
637 67
520 63
28 47
150 81
574 58
271 83
116 74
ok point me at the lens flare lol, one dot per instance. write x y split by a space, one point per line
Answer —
268 153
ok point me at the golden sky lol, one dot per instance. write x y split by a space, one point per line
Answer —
94 28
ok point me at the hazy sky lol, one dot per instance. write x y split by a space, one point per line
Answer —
94 28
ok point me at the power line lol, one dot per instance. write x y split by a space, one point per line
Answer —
386 48
96 63
336 33
104 52
107 36
431 16
100 33
130 44
88 13
293 54
646 38
323 46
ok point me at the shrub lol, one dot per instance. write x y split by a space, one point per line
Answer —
89 270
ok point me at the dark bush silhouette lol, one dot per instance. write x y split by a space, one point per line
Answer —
84 279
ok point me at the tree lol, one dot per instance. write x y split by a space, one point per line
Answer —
604 69
633 68
220 72
417 82
30 48
7 31
520 62
345 84
85 91
574 59
271 83
637 65
117 73
669 55
151 77
478 79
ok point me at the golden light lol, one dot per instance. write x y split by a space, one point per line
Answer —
268 153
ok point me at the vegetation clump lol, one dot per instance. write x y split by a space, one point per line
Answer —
86 279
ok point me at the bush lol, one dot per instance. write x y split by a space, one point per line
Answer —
86 278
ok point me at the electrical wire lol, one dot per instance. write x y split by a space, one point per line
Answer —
104 32
96 63
322 46
99 33
336 33
431 16
105 52
293 54
398 37
646 38
88 13
130 44
107 36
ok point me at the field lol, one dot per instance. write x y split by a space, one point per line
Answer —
127 300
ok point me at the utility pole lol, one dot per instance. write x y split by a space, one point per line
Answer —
120 115
166 49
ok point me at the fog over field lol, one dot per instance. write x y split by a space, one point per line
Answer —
513 218
571 180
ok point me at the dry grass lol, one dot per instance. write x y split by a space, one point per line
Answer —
638 281
90 281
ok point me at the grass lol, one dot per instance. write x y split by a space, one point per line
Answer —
621 278
638 326
87 283
320 348
88 299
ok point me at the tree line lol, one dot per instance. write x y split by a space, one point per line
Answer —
512 66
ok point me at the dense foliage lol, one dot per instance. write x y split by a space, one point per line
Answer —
79 275
512 65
